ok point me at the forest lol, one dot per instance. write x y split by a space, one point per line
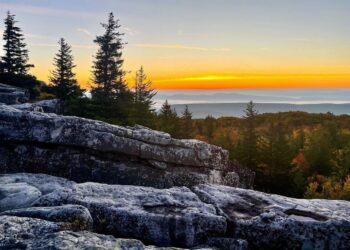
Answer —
293 153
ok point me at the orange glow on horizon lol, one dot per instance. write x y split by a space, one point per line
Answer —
255 81
238 81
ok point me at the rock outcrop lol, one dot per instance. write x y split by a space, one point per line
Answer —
168 194
32 234
47 106
205 216
276 222
87 150
12 95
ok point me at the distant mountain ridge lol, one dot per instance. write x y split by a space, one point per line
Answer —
201 110
292 96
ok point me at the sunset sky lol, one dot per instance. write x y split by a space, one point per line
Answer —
200 44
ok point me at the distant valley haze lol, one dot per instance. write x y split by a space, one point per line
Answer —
218 103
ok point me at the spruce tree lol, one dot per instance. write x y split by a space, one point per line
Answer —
111 94
249 143
63 81
209 127
108 75
186 124
143 112
275 156
168 120
15 59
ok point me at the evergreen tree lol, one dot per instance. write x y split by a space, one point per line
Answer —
275 158
209 127
111 95
15 59
14 62
63 80
249 143
168 120
143 112
186 124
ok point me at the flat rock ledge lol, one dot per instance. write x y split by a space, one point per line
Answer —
12 95
88 150
66 215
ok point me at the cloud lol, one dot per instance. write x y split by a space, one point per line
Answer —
43 37
78 46
43 10
203 78
85 32
303 39
180 32
179 46
264 48
129 31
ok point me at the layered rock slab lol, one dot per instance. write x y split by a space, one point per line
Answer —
171 217
13 95
75 217
46 106
217 216
276 222
88 150
32 234
163 217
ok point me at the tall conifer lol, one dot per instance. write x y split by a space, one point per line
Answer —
168 120
186 124
15 59
111 95
63 80
143 113
108 75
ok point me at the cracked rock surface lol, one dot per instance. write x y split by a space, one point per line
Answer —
267 221
203 217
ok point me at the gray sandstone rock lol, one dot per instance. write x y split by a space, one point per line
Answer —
46 106
44 183
33 234
168 217
208 217
17 195
12 95
76 217
277 222
87 150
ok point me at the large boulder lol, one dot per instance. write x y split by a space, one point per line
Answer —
88 150
17 195
276 222
76 217
206 216
47 106
13 95
32 234
164 217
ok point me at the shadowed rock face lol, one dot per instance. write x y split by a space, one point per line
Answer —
207 215
88 150
12 95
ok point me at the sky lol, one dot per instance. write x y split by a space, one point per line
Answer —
199 44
